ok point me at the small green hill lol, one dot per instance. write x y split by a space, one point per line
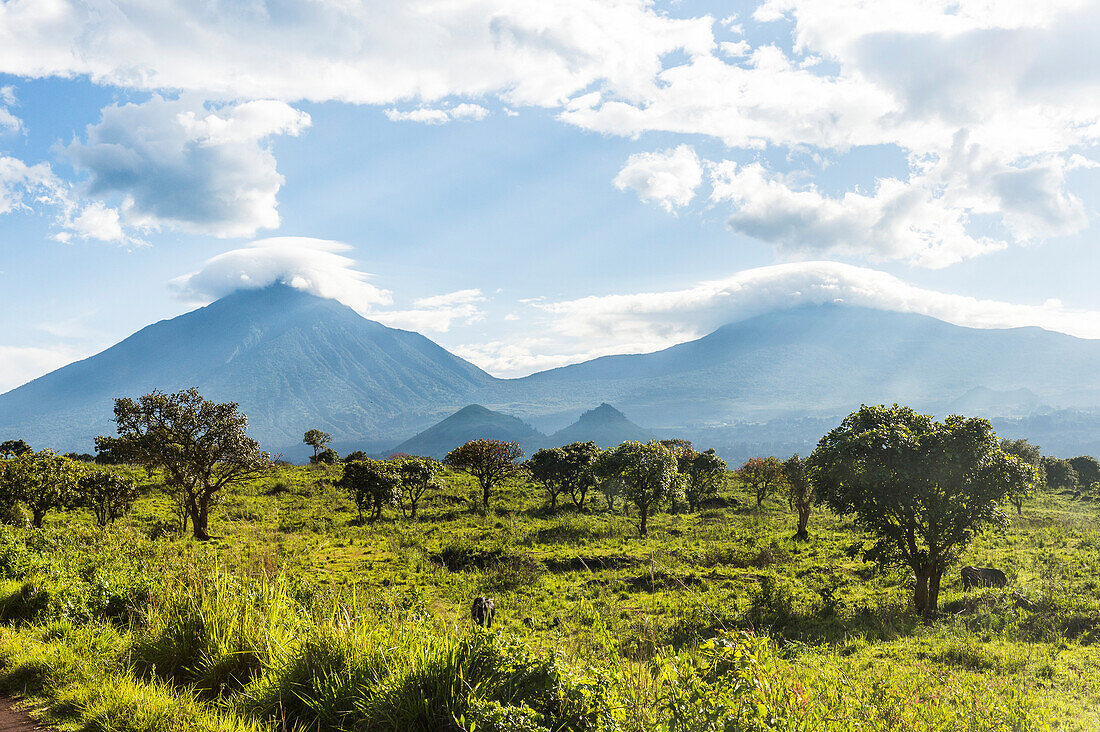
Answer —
604 425
473 422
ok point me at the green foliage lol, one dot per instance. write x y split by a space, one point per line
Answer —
490 462
649 475
923 488
328 456
372 485
568 469
108 495
317 440
704 473
303 618
1059 475
13 448
43 480
1033 456
200 445
763 475
418 475
801 492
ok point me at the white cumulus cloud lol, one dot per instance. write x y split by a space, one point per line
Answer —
529 52
316 266
322 267
436 313
570 331
439 115
660 319
181 164
666 177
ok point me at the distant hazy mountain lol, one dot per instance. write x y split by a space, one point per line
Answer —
473 422
815 360
604 425
292 360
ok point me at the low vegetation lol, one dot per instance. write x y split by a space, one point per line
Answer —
647 612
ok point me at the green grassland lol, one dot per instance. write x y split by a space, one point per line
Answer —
299 616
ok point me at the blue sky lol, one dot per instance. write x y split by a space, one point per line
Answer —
533 183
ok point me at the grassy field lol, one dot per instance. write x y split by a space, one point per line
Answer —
300 617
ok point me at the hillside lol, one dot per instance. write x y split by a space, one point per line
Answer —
604 425
816 360
293 361
472 422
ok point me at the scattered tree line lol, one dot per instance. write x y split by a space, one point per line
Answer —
919 488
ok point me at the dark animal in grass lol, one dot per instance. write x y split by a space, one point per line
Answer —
482 611
983 577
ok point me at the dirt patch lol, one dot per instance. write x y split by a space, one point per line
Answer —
13 720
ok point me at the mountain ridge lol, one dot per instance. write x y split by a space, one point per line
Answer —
294 361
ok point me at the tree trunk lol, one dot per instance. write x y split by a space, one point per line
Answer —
37 516
200 513
920 592
803 522
485 487
934 593
412 510
643 512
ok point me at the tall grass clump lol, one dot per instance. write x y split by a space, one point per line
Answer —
215 633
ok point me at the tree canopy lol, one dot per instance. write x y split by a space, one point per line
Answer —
43 480
201 445
704 473
762 475
649 473
13 448
318 440
418 475
1059 475
371 484
107 495
489 461
1032 455
923 488
801 492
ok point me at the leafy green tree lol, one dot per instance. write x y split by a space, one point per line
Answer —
43 480
579 462
683 449
1088 471
703 472
1059 474
547 468
490 462
418 475
109 451
355 456
800 492
13 448
923 488
107 495
762 475
318 440
201 446
1033 456
608 479
328 456
371 484
649 474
